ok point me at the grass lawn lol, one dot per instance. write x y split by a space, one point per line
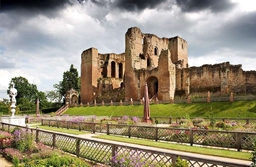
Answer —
180 147
238 109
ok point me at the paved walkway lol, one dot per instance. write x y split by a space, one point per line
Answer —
242 162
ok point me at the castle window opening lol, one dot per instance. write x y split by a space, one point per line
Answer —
182 46
152 83
148 62
113 69
156 51
120 72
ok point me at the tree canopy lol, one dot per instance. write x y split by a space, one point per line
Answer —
70 80
27 94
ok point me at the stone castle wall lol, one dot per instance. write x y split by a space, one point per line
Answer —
162 63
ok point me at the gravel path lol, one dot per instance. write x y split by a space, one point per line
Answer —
4 162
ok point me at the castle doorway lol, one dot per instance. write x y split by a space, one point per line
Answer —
74 100
152 87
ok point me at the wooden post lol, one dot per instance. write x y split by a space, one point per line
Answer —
78 147
129 131
107 129
156 133
37 133
170 120
191 133
238 141
53 140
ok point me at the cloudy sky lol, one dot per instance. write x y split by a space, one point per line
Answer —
40 39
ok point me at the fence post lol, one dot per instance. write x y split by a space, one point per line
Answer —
238 141
247 122
129 131
93 127
79 126
156 134
174 159
37 135
107 129
78 147
114 150
67 124
9 128
49 123
42 121
191 134
53 140
170 120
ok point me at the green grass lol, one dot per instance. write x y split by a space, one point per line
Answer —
241 109
61 130
179 147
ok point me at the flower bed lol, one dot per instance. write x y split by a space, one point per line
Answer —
19 148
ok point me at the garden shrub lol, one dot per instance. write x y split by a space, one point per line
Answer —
126 159
23 140
181 163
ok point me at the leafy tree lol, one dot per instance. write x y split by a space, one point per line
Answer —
55 95
70 80
28 94
25 89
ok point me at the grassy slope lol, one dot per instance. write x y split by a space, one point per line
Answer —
242 109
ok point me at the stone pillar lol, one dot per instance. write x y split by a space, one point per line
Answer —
231 97
103 103
121 102
171 100
37 107
208 97
188 100
131 102
111 103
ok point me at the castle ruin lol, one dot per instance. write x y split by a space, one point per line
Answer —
162 63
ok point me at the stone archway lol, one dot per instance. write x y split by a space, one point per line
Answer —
152 83
72 97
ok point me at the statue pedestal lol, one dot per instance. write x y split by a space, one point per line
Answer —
16 120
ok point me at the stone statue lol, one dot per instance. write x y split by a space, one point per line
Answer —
13 94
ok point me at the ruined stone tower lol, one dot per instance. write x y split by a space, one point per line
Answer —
100 72
152 60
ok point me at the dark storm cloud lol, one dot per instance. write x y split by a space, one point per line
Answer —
197 5
134 5
32 4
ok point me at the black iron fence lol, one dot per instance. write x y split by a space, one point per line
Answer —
227 139
103 152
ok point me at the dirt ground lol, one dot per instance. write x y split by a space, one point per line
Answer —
4 163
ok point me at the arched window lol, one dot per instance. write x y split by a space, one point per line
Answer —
113 69
120 72
156 51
